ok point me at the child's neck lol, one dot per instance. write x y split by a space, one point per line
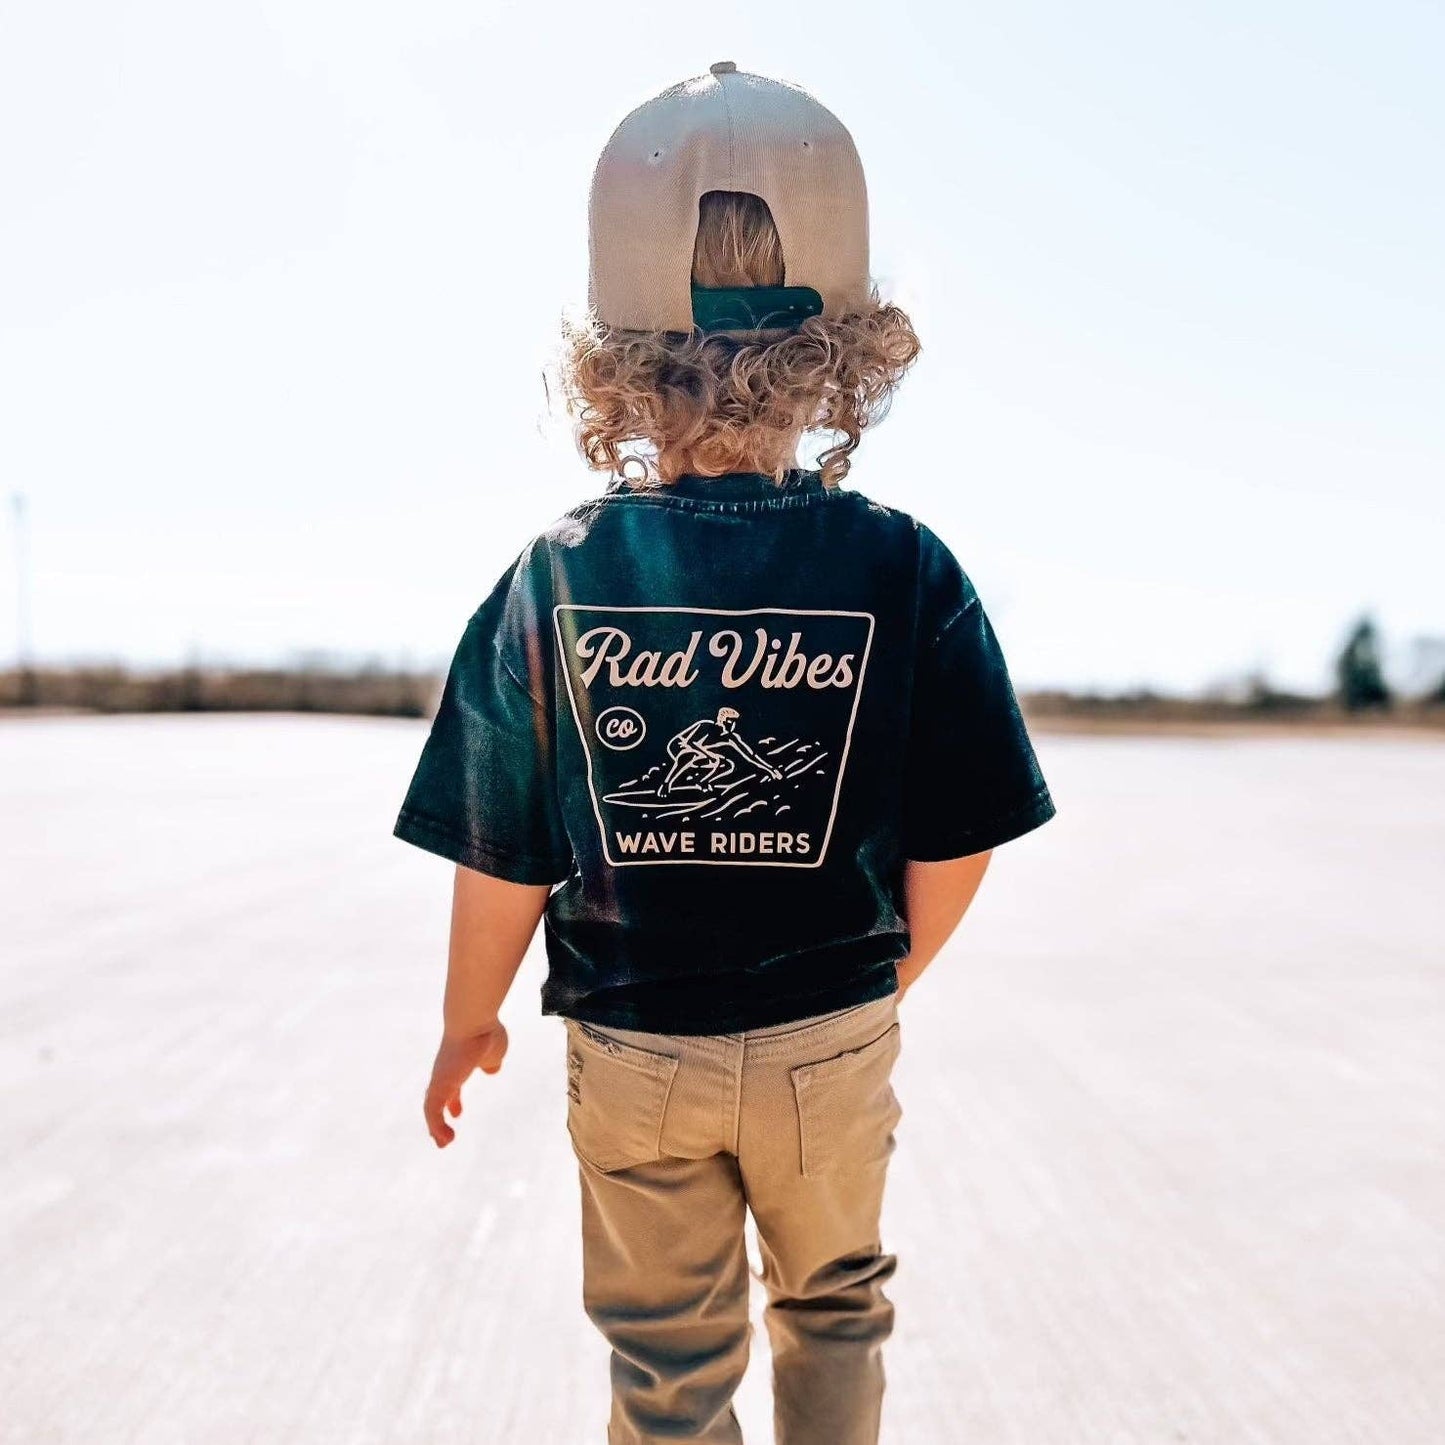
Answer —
680 467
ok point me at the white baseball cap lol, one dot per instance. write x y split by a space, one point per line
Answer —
728 130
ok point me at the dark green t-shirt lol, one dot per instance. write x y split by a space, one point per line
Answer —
720 717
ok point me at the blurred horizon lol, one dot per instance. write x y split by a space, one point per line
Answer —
282 280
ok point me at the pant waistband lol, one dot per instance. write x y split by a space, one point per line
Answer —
880 1005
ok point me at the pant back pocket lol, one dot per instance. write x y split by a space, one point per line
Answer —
617 1098
847 1109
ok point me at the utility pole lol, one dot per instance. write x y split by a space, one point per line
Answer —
24 655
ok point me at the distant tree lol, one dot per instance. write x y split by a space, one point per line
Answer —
1358 670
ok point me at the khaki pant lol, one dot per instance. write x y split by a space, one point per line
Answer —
676 1135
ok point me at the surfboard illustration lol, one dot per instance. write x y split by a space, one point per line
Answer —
745 790
650 798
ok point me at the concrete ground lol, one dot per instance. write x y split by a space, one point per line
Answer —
1171 1167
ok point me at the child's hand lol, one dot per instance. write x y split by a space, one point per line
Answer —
455 1062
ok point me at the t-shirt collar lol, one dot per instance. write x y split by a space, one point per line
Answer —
745 486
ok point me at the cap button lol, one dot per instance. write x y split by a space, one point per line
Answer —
723 67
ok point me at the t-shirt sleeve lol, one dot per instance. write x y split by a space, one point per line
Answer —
972 780
484 792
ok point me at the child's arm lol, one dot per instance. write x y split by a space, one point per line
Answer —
492 923
937 896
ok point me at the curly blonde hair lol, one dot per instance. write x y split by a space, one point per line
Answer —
707 404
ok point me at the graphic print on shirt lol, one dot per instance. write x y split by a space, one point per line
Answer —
714 736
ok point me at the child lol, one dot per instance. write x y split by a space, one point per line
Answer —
746 740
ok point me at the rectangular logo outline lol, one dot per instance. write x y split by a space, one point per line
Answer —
774 862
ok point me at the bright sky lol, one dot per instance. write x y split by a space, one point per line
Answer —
279 279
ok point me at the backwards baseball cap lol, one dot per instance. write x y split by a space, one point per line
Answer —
728 130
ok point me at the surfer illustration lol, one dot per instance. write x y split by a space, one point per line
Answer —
697 755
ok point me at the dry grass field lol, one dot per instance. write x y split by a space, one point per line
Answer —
1171 1167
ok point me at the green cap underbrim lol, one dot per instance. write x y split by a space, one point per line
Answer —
753 308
